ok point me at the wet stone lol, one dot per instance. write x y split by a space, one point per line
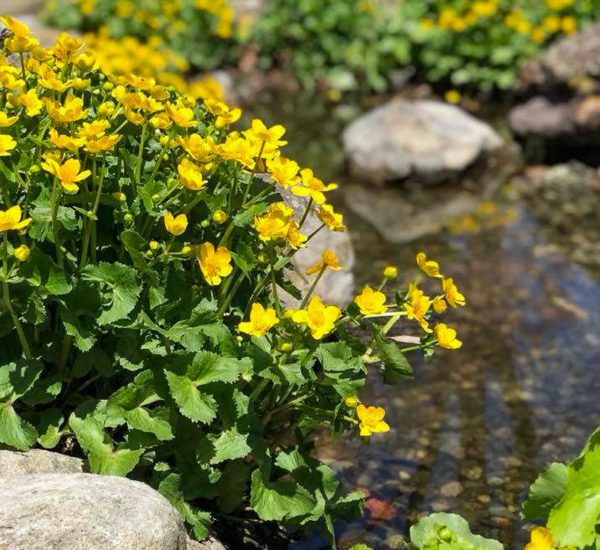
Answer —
451 489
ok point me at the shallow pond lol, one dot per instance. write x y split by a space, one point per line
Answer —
475 426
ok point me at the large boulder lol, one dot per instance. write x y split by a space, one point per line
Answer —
37 461
424 140
86 512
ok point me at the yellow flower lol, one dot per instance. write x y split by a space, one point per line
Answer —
5 120
328 260
439 305
7 144
261 321
371 302
390 272
453 296
10 220
16 27
239 149
65 142
312 186
417 307
268 136
197 147
275 224
105 143
429 267
29 101
569 24
284 171
22 252
220 217
330 218
180 115
453 96
446 336
541 539
71 111
294 237
68 173
190 175
175 226
225 116
371 420
93 130
214 264
319 318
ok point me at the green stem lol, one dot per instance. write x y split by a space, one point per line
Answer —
138 168
306 212
386 328
8 304
55 201
312 287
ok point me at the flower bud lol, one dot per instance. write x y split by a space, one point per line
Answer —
204 224
128 218
108 86
34 169
220 217
390 272
106 109
153 245
187 250
285 346
121 197
22 253
351 401
155 197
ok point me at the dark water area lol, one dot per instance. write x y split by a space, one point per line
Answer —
476 425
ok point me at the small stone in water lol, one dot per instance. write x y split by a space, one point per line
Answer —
451 489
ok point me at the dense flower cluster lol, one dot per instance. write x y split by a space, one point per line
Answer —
143 262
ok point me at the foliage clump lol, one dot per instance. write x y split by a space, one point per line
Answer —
142 262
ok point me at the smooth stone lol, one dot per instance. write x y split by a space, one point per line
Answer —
451 489
425 140
86 512
37 461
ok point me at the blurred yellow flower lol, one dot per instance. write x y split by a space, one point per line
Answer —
453 296
22 252
390 272
68 174
329 260
430 267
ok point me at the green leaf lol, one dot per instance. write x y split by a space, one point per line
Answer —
396 366
136 246
18 377
197 406
40 270
96 443
545 492
232 485
49 428
122 288
574 520
279 500
229 445
14 431
426 534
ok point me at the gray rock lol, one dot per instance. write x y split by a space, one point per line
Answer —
422 139
572 61
37 461
208 544
335 287
86 512
541 117
20 7
401 220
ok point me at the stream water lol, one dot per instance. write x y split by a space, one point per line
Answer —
475 426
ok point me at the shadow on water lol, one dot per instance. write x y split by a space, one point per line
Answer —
474 428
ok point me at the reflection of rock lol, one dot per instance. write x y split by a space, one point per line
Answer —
401 220
422 139
86 512
37 461
335 287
